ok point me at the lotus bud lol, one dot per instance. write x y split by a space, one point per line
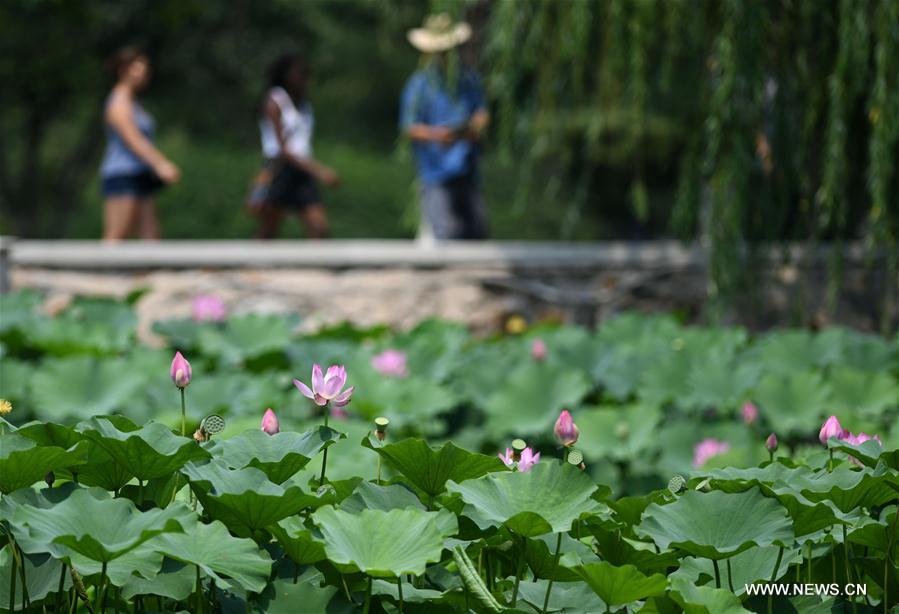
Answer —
270 422
771 443
518 446
538 350
831 428
749 412
5 407
566 430
180 371
381 424
49 479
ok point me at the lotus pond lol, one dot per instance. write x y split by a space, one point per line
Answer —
548 469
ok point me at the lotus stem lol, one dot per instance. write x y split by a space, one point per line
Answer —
717 573
519 572
780 554
62 585
321 480
810 562
98 601
199 589
140 492
367 606
846 562
830 462
20 565
549 587
730 580
12 575
183 415
399 589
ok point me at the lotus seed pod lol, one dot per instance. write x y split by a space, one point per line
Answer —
518 446
676 484
704 486
575 457
325 489
212 424
381 424
622 430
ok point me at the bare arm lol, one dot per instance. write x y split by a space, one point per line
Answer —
321 172
120 116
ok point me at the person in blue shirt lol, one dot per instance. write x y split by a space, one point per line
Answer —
445 122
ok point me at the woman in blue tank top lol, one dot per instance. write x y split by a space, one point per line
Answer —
133 169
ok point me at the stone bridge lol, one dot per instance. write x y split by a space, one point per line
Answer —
402 282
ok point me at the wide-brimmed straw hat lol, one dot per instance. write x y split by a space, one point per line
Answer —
439 33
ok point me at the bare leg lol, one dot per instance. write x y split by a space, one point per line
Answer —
316 220
269 222
119 217
148 220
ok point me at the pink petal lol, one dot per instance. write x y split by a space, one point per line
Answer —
318 380
304 389
343 398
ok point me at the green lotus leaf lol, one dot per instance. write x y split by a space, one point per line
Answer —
96 526
540 555
297 541
753 565
548 498
247 337
568 597
379 543
704 599
82 386
876 534
428 469
719 383
41 575
868 393
530 399
791 403
868 453
405 401
618 550
283 595
716 524
15 376
175 580
621 433
24 462
152 451
120 570
244 499
844 488
618 586
88 326
374 497
229 560
411 594
279 456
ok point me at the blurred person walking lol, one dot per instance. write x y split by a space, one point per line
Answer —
133 169
290 179
443 113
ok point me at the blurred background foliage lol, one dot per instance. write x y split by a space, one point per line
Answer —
738 120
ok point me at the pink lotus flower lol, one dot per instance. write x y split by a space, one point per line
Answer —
861 438
270 422
749 412
831 428
528 459
180 371
771 442
208 308
565 430
327 388
538 350
507 458
391 363
706 449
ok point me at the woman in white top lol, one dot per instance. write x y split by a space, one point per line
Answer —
287 125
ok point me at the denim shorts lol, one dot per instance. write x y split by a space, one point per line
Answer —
141 184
